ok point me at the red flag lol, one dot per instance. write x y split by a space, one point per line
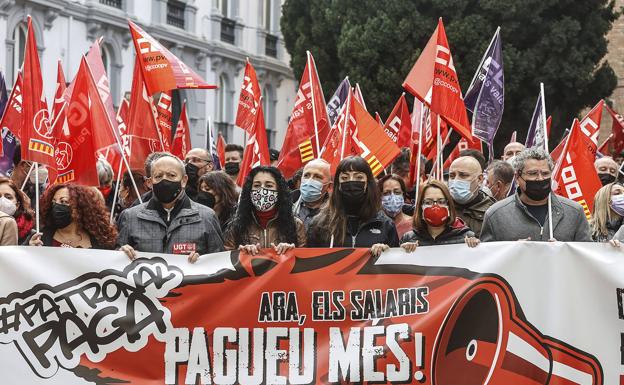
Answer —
374 145
300 142
163 118
221 149
398 127
556 153
141 114
357 93
182 139
162 70
60 90
12 117
341 132
617 131
36 136
462 145
378 119
249 100
256 150
75 149
122 111
433 80
103 138
575 176
605 145
416 121
548 124
590 125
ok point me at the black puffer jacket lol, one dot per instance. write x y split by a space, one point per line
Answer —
453 234
379 229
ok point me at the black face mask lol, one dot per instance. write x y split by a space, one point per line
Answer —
61 215
232 168
167 191
192 173
353 194
537 189
206 199
605 178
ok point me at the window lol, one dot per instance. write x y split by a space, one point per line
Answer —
268 5
224 7
227 30
112 3
268 106
175 13
106 59
224 102
270 45
19 36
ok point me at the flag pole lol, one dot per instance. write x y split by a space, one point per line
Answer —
316 135
37 196
117 183
438 146
550 229
416 100
345 125
27 176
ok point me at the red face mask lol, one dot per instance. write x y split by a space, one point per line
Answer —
436 215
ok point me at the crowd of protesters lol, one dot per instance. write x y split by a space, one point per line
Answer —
189 207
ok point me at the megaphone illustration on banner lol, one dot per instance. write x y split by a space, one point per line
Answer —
484 339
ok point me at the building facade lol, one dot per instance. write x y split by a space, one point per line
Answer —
214 37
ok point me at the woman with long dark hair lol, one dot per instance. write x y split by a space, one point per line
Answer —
218 191
17 205
264 217
74 216
353 217
436 221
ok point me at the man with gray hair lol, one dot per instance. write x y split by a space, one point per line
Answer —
499 179
169 222
524 216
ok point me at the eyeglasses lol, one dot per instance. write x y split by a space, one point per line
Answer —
534 174
431 202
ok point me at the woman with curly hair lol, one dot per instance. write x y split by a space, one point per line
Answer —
264 217
74 216
17 205
218 191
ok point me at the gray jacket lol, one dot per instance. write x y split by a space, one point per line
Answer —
509 220
190 226
619 235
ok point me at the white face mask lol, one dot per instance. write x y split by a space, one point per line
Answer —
7 206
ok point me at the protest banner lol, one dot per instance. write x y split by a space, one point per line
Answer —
501 313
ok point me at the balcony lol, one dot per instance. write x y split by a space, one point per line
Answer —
270 46
175 14
112 3
227 30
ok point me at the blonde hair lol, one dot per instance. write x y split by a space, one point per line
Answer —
602 212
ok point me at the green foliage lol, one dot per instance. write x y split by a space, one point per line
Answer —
558 42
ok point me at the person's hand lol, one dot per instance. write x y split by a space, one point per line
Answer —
193 257
378 248
615 243
282 248
35 240
472 241
524 239
409 247
250 249
129 251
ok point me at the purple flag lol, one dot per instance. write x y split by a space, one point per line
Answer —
8 139
485 97
337 100
536 137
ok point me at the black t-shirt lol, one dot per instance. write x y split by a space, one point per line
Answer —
539 212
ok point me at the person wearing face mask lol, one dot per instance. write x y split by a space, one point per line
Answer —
264 217
353 217
314 190
74 216
607 170
392 190
471 202
16 204
436 222
499 179
524 216
8 208
233 157
197 162
607 213
169 222
218 191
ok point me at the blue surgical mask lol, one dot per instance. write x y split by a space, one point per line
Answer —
460 190
617 204
311 190
392 204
